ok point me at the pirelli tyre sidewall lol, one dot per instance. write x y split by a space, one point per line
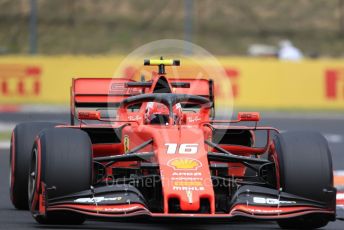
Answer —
22 140
62 160
305 168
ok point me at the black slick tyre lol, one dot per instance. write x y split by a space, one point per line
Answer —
22 140
62 160
305 168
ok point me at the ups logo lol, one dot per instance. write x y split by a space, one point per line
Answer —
20 80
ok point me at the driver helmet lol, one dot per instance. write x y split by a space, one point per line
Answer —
158 113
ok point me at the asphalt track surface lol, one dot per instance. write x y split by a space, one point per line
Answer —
331 126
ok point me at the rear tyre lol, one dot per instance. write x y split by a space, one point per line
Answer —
63 159
305 165
22 140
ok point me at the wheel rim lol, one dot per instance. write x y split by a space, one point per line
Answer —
32 174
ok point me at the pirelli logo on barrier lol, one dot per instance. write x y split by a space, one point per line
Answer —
19 80
233 74
252 83
334 84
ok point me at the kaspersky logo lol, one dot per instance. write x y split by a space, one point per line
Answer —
183 163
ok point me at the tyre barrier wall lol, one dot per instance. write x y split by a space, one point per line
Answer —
254 83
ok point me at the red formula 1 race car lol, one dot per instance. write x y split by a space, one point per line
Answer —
153 149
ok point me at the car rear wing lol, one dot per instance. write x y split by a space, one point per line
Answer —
197 87
105 94
99 93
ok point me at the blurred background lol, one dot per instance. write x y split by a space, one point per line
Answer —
227 27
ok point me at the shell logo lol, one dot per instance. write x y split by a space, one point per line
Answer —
182 163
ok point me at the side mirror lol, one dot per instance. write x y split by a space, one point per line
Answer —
89 115
248 116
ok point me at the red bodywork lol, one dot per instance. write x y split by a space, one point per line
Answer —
179 150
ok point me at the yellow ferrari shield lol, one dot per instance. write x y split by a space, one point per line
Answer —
126 143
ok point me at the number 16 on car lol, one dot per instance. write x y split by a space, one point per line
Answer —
173 148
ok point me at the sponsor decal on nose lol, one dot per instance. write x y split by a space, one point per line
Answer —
182 163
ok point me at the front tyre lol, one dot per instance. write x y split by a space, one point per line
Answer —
23 137
62 160
305 169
